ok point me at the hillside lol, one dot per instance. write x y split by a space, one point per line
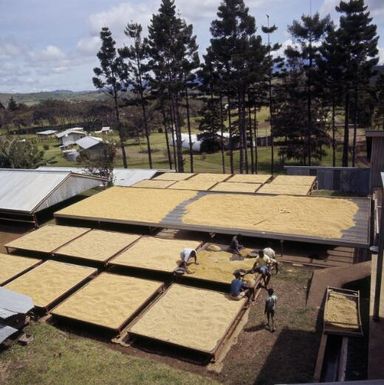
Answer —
36 97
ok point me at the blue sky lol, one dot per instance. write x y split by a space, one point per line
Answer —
49 45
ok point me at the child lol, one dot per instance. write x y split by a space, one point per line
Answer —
270 307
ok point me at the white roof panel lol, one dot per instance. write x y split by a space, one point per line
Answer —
33 190
88 142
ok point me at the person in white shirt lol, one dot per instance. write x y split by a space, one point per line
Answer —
187 256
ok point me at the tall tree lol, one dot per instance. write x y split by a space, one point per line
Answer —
137 55
236 53
308 33
173 55
357 41
330 75
109 78
274 61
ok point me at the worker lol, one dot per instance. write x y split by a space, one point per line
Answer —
263 265
235 246
239 289
270 308
187 255
269 252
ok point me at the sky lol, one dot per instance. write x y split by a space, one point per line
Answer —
48 45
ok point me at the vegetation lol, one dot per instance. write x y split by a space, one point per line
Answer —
157 86
58 358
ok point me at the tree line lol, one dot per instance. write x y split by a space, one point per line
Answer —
325 79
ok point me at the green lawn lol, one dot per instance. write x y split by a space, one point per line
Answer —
137 156
58 358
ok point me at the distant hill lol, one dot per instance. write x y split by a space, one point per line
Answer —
36 97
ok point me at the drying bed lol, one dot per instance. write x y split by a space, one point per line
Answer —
97 245
279 189
154 254
49 281
190 184
342 311
209 177
174 176
154 183
217 266
303 180
320 220
189 317
47 238
12 266
124 204
236 187
249 178
283 214
109 300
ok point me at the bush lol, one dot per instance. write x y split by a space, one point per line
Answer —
46 147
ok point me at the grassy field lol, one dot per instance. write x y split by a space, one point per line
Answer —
58 358
137 156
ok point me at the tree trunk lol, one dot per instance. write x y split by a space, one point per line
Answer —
333 131
346 130
189 129
171 112
166 137
121 138
355 115
179 149
271 121
222 133
244 124
240 128
255 136
146 130
251 134
230 136
309 108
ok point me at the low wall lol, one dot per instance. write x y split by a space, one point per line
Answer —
344 179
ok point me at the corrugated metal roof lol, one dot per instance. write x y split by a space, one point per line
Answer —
75 130
46 132
14 302
128 177
30 191
121 176
88 142
6 331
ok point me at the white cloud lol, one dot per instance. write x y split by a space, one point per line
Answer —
89 45
50 53
8 49
381 55
117 17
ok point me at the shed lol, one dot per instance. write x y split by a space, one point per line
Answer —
70 136
92 146
24 193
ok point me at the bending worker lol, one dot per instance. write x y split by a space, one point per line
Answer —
263 265
235 246
187 256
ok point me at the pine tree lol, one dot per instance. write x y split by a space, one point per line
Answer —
307 34
235 55
137 55
357 41
108 78
173 55
330 75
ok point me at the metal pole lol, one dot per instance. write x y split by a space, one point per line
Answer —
379 268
